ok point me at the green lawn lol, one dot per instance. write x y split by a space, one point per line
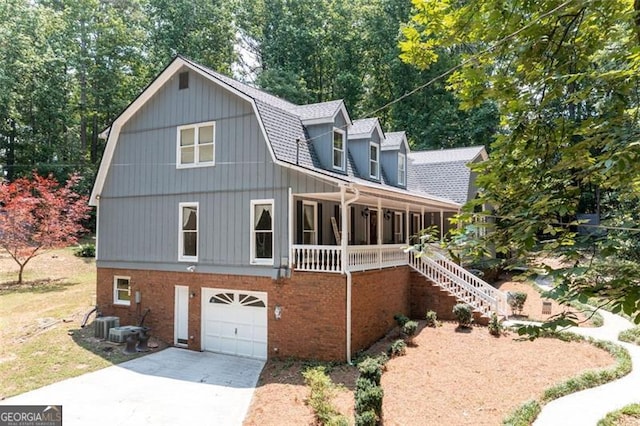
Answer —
41 339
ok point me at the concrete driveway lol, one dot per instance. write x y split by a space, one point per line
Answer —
171 387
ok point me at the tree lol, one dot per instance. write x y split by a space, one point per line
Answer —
39 214
564 76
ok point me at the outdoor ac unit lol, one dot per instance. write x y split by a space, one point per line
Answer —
120 334
104 324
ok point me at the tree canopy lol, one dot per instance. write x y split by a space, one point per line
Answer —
564 77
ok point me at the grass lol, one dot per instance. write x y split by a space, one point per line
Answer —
614 418
527 412
40 322
631 335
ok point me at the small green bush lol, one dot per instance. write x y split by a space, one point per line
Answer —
495 326
85 250
401 319
367 418
409 329
368 396
463 314
322 391
516 300
431 319
631 335
397 348
371 369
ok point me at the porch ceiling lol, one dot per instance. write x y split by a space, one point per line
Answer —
388 202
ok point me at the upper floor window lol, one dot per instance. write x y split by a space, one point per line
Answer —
338 149
196 144
374 160
188 237
262 232
402 169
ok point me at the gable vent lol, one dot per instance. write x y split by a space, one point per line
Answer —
184 80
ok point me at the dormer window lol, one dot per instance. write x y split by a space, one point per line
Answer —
402 169
338 149
374 160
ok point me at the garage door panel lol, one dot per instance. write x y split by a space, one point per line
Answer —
235 322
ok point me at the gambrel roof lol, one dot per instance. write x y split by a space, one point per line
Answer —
283 126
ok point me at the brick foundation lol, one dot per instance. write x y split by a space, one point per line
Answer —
313 320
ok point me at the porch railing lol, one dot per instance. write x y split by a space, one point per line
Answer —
316 258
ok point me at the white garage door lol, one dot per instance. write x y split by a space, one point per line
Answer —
234 322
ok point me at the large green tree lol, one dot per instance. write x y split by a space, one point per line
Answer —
564 75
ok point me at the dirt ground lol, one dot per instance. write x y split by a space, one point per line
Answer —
447 377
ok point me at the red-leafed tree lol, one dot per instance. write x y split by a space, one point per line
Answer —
39 214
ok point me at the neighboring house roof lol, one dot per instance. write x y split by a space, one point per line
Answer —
282 125
393 141
444 173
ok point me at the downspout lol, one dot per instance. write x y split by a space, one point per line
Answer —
344 240
290 202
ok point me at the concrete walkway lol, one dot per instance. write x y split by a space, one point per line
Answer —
587 407
171 387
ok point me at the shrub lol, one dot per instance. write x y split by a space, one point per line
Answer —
371 369
368 396
463 314
85 250
397 348
409 329
322 391
401 319
495 326
367 418
431 319
516 300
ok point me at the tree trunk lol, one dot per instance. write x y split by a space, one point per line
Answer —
22 265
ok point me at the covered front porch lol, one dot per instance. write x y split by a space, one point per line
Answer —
377 225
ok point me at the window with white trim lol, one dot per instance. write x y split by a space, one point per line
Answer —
309 222
397 228
121 290
374 160
262 232
196 145
188 237
338 148
402 169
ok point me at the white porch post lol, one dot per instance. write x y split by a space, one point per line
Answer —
343 230
406 225
379 225
290 224
421 218
441 225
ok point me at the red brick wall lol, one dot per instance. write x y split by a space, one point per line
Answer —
426 296
376 297
313 319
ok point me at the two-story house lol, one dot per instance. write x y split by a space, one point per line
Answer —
249 225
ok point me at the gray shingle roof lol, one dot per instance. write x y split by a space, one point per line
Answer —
446 155
392 141
317 111
363 126
446 180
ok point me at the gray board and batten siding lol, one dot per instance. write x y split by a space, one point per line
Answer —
389 161
321 136
139 205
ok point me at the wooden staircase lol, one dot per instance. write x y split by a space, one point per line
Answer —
460 283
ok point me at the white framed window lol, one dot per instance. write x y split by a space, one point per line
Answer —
188 236
338 148
262 225
397 228
121 290
196 145
374 160
309 222
402 169
415 227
